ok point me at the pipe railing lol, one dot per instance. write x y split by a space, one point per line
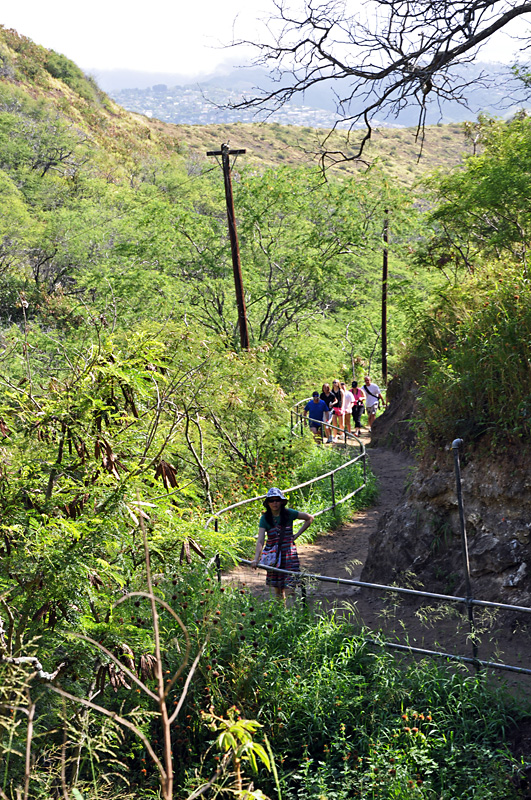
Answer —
296 417
303 577
396 589
296 423
330 474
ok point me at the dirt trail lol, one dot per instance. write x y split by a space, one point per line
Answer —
343 552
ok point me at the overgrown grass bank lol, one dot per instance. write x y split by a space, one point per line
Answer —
475 350
345 718
341 717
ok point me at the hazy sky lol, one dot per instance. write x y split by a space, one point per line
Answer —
181 36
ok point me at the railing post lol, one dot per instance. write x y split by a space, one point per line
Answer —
303 593
333 491
464 544
218 562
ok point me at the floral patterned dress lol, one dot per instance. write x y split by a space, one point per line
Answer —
289 559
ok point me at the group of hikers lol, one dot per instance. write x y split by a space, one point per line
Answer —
334 408
341 408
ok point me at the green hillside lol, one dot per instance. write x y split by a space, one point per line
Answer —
53 78
98 190
129 414
397 150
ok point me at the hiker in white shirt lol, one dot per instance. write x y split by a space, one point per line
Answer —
373 395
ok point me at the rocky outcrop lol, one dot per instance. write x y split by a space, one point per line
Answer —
419 542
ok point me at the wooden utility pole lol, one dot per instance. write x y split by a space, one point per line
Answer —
225 152
384 297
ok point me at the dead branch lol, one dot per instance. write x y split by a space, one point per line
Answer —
377 60
40 673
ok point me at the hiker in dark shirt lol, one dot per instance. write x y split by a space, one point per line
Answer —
330 400
338 407
315 411
357 407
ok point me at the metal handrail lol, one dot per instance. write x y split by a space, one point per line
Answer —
475 662
467 601
383 587
360 457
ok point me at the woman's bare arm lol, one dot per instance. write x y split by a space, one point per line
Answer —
308 519
259 547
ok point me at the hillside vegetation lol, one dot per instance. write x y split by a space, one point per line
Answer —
128 414
53 77
396 150
474 343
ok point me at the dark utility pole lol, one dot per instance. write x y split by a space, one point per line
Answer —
236 266
384 297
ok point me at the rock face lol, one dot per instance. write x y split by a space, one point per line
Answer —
420 540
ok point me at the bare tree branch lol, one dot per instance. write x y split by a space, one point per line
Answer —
386 55
39 670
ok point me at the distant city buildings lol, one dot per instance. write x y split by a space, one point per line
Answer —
206 103
186 105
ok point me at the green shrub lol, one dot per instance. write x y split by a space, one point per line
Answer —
60 67
475 348
344 718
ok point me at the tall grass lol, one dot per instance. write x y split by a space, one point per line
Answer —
476 349
345 719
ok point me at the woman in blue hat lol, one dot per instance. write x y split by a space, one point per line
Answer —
279 550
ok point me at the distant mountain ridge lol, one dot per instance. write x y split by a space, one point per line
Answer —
172 98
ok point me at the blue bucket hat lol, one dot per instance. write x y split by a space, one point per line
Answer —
274 492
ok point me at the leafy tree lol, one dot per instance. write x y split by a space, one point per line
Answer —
483 212
15 222
302 242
